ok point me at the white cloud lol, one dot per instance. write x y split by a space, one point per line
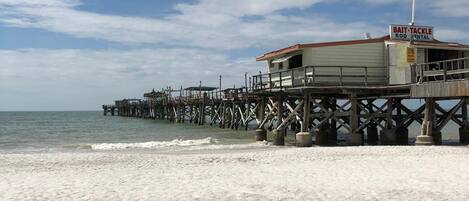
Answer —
452 34
452 8
89 78
206 24
448 8
383 2
198 36
242 7
73 64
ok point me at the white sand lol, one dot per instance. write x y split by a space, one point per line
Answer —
338 173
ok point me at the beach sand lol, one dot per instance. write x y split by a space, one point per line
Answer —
266 173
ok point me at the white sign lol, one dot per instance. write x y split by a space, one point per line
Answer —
406 32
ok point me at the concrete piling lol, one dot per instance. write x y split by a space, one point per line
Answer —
304 139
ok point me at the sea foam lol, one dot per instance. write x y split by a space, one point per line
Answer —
154 144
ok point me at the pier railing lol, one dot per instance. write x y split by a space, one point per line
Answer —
322 76
453 69
218 94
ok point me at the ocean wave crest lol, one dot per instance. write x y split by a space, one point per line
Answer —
154 144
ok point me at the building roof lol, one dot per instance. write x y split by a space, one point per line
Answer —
298 47
200 88
442 44
153 94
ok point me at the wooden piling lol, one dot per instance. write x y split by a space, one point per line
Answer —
278 134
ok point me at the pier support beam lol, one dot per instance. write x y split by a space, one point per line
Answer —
261 133
372 137
322 134
278 134
202 109
355 137
464 130
388 136
402 135
223 117
304 138
278 137
427 134
464 135
333 125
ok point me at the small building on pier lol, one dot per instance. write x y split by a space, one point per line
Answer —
379 61
409 63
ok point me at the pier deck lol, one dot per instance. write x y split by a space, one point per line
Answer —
369 112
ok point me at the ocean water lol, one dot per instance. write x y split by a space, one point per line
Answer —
69 131
79 131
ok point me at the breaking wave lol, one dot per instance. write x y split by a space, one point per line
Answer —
153 144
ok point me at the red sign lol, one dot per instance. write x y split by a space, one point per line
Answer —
407 32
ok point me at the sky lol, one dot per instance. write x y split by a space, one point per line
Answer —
61 55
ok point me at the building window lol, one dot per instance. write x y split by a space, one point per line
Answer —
280 65
296 61
271 65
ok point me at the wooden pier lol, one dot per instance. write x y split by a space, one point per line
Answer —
367 111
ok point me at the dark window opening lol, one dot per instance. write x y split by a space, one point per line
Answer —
436 55
280 65
441 55
271 65
296 61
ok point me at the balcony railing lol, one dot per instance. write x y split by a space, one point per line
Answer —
322 76
454 69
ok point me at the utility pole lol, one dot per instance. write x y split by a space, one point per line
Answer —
413 13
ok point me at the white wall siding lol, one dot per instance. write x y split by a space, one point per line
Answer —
371 55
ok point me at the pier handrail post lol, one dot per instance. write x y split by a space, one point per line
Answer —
314 75
260 79
445 71
306 112
219 86
366 76
246 81
341 74
253 84
200 88
293 77
280 75
256 82
270 81
421 74
305 80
